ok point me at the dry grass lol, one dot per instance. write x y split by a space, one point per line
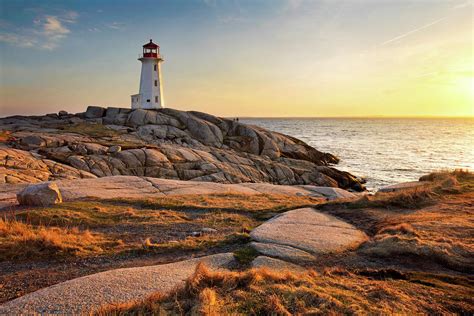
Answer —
90 129
22 241
195 243
409 198
5 136
222 209
234 202
334 292
432 223
438 184
160 225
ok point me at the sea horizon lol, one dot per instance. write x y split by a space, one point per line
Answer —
384 151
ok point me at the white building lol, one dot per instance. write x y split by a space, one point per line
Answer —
151 88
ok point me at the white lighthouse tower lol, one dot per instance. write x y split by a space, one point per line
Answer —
151 88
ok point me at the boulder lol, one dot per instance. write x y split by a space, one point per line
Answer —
94 112
32 142
403 186
310 231
283 252
275 264
42 194
114 149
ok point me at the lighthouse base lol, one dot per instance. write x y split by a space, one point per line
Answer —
139 103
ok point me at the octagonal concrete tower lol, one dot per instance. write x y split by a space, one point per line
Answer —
151 86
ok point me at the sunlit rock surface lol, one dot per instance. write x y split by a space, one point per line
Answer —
162 143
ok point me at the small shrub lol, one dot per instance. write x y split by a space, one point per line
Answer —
245 255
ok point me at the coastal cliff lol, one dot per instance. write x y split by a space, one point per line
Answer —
162 143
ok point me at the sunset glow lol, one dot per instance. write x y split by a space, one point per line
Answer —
240 58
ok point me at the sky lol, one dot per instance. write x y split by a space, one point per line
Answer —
260 58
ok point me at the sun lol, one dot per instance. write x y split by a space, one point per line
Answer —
464 85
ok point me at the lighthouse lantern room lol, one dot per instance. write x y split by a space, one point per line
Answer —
150 95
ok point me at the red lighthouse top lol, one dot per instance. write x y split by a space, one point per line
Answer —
151 50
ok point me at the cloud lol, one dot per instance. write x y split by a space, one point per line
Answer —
53 27
115 25
105 26
462 5
210 3
47 32
17 40
399 37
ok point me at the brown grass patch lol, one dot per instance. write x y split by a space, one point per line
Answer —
90 129
231 202
336 291
409 198
22 241
5 136
166 224
431 224
438 185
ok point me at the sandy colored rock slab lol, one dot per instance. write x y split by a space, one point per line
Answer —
177 187
267 188
8 194
283 252
107 188
145 187
115 286
275 264
403 186
330 193
309 230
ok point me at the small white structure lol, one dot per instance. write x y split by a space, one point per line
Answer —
151 88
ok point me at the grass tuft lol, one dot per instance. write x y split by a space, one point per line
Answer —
269 292
245 255
22 241
90 129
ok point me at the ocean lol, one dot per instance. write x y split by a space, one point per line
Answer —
384 151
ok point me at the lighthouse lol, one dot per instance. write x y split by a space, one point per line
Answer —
150 95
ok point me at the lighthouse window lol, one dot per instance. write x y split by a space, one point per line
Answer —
156 83
155 67
156 99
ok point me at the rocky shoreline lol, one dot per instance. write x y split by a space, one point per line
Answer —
112 211
162 143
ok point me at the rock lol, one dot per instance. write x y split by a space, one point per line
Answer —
309 230
94 112
144 187
167 143
275 264
28 167
331 193
403 186
85 294
33 141
283 252
75 120
207 230
114 149
42 194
